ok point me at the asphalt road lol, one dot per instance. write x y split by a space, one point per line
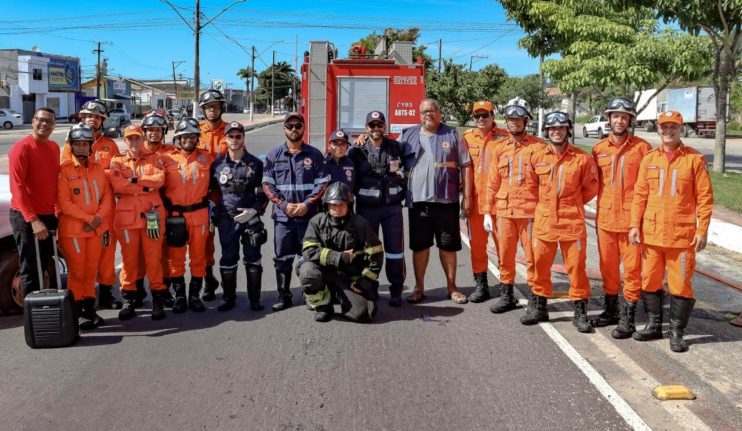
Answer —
431 366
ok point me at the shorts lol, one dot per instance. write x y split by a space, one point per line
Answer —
434 220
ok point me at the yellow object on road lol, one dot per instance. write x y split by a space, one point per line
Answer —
673 392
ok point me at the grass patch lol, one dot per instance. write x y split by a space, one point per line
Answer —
727 187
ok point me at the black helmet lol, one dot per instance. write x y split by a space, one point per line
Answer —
338 192
153 120
80 132
212 96
94 107
186 126
621 104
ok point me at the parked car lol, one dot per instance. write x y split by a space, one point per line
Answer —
598 126
74 118
122 115
114 125
10 118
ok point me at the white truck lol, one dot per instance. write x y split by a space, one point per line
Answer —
697 105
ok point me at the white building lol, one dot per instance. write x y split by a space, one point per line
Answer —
31 79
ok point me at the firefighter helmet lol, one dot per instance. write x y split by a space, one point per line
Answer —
80 132
210 96
153 120
558 119
621 104
517 108
338 192
186 126
94 107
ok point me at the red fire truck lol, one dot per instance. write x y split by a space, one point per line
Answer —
338 93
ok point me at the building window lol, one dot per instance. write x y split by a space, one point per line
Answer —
37 75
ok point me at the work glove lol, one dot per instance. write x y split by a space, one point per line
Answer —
366 288
245 215
488 224
106 239
153 224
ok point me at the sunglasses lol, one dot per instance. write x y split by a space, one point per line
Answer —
556 118
515 111
293 126
375 125
621 102
235 136
481 116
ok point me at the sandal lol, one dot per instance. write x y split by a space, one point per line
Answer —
458 297
416 296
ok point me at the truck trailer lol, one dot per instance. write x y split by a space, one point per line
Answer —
697 105
338 93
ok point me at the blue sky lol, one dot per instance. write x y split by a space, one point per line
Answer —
146 36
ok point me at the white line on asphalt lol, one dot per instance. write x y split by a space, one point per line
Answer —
622 407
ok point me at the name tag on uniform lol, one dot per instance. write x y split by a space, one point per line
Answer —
372 193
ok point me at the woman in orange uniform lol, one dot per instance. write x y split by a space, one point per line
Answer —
85 202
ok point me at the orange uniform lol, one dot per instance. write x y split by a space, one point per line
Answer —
480 149
512 199
83 193
672 201
214 141
134 199
102 152
186 185
618 168
565 183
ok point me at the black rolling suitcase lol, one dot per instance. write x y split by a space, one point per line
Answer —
49 318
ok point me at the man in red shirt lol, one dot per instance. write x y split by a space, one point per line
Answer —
33 195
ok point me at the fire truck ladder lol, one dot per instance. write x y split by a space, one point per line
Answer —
318 60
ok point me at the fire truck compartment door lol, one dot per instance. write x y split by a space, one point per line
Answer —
357 97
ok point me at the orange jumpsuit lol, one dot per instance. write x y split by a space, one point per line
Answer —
214 141
187 184
102 152
672 202
480 149
83 193
513 199
134 199
564 183
618 168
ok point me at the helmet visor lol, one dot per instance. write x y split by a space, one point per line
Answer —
621 102
515 111
556 119
154 121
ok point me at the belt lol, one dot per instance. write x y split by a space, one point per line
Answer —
186 208
446 165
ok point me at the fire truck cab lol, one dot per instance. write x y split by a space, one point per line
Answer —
339 93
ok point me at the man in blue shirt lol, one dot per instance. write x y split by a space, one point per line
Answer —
439 164
294 179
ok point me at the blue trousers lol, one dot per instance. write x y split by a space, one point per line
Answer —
288 237
389 217
230 236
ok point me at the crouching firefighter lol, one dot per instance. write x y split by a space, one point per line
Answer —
237 176
187 178
342 260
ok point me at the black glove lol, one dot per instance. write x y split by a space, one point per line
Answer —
366 287
106 239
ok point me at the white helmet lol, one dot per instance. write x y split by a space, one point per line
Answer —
517 108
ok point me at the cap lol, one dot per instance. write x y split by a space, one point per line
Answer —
339 135
291 115
670 117
483 105
132 130
375 116
234 125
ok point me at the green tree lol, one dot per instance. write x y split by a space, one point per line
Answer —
246 73
528 87
721 20
285 80
392 35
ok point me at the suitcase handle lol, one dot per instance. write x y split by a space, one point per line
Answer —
39 272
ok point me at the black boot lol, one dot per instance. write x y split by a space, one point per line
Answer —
181 304
283 283
625 326
194 295
610 314
653 308
324 313
158 305
579 320
83 321
106 299
254 285
211 285
167 296
395 296
128 311
481 289
229 286
141 294
88 310
680 309
535 311
507 300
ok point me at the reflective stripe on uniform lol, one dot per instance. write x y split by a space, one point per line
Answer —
194 175
203 229
323 255
294 187
613 170
87 193
97 191
673 182
682 265
620 172
510 170
126 235
268 180
325 179
559 180
369 274
373 250
318 299
394 255
228 267
662 182
183 176
520 169
77 246
579 245
309 244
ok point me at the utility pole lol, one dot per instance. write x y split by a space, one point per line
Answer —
471 59
252 84
175 84
440 55
294 105
98 69
273 86
196 65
